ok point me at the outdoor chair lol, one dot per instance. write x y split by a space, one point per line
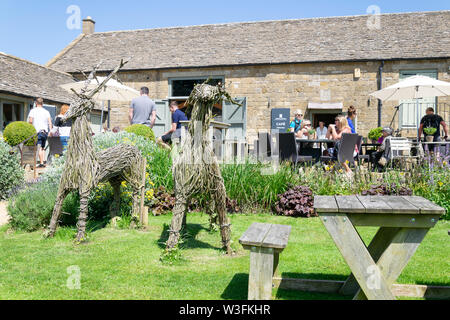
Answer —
346 149
264 146
288 149
399 148
55 148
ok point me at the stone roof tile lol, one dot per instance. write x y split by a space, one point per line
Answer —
401 36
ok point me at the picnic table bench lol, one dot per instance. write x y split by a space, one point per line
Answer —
404 222
265 242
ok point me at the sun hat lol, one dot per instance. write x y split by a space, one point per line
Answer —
387 130
298 111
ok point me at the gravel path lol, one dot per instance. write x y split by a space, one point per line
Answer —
3 214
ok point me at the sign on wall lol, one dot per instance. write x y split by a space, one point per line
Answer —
281 119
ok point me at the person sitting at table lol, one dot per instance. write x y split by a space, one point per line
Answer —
330 150
296 124
336 134
306 131
321 131
376 157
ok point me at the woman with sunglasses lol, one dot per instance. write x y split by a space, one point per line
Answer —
296 124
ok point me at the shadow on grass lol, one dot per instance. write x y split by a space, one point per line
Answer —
237 289
188 235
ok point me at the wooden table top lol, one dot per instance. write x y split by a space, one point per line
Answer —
376 204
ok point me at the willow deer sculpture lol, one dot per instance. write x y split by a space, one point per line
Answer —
85 169
196 169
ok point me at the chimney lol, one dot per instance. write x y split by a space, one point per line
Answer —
88 26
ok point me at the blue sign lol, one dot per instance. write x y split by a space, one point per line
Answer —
281 119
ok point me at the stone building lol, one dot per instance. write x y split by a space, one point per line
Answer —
320 65
22 81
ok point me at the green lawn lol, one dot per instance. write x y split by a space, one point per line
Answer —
124 264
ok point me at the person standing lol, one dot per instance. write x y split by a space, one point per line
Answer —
296 124
175 130
42 122
143 110
63 127
434 121
351 117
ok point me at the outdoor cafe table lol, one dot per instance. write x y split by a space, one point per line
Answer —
314 152
403 222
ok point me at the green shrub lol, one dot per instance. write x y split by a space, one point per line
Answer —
11 174
252 185
19 131
141 130
31 209
375 134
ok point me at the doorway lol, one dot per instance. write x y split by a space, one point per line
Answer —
11 113
328 118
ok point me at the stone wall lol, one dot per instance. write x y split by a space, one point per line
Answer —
292 86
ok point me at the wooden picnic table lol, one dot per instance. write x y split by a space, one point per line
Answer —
403 221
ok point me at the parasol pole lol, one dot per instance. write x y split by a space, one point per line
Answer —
101 117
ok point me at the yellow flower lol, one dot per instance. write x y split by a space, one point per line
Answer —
341 171
440 183
327 168
444 163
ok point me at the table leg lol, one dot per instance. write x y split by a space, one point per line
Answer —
395 258
377 246
357 256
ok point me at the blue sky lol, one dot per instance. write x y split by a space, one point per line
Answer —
37 30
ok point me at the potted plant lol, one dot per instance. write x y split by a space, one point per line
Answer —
375 134
430 131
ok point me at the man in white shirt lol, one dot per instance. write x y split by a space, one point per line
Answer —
42 122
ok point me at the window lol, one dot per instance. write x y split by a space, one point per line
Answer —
184 87
408 108
180 89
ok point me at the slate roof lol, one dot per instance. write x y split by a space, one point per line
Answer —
401 36
28 79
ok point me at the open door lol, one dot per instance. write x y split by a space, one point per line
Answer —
163 118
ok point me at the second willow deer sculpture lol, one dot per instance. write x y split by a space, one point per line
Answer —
85 169
196 169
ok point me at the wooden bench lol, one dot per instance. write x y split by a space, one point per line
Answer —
265 242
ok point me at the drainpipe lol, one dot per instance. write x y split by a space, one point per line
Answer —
380 86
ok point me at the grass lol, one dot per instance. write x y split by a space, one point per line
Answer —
125 264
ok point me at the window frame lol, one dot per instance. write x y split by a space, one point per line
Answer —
412 72
172 79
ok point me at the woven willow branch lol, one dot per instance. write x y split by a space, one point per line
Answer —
85 169
196 169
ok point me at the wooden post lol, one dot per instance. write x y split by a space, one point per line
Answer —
261 272
145 217
141 208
